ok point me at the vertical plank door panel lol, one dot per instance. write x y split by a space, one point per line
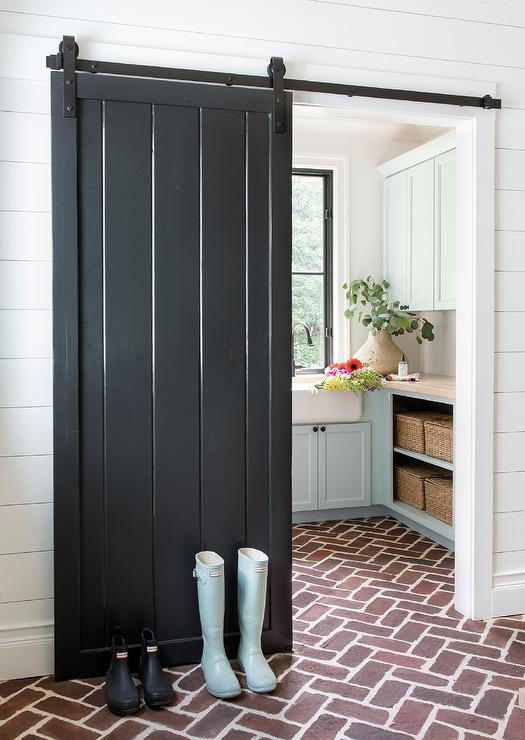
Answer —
128 379
91 377
223 343
177 369
223 526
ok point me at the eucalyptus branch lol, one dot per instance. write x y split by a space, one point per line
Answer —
369 304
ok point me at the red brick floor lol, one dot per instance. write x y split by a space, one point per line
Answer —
380 654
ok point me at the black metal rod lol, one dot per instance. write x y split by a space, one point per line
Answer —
333 88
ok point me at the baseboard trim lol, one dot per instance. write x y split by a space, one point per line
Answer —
26 650
508 599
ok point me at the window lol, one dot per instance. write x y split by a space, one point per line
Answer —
312 268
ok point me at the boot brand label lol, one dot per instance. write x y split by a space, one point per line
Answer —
120 656
215 573
151 648
260 568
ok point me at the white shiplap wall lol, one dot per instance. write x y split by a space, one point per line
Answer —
453 45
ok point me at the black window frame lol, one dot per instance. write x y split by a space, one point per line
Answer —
328 263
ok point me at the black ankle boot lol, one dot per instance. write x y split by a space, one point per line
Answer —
158 691
122 695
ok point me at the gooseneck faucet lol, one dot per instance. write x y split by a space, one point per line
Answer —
309 343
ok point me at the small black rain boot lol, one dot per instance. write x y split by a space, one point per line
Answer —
158 691
122 695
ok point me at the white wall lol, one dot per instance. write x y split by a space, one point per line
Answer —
451 45
439 356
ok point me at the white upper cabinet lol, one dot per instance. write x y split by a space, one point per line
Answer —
419 228
445 231
420 238
395 235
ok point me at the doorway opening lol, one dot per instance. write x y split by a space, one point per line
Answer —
417 140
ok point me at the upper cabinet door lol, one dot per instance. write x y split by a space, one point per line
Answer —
445 231
395 236
344 465
420 243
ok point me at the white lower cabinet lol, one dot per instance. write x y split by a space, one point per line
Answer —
304 468
330 466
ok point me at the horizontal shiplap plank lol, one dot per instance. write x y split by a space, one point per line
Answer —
25 137
27 528
509 291
510 210
510 251
25 285
509 372
26 480
509 563
25 186
509 492
25 236
509 531
26 383
27 575
510 169
508 336
23 57
509 412
419 35
510 129
509 452
26 431
25 334
24 96
25 613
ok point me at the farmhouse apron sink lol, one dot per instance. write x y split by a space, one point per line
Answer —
310 405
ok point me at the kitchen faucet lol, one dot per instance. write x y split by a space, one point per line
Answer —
309 343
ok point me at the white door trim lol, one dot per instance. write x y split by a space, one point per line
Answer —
474 439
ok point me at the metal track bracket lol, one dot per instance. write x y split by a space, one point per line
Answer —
66 59
69 50
276 71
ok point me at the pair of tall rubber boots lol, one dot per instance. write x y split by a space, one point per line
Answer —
221 681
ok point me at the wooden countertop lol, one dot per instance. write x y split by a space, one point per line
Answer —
440 386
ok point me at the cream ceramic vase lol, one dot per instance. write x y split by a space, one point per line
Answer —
380 353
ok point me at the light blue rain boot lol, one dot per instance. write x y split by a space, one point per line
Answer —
221 681
251 599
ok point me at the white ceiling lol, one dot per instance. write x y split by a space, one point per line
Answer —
316 119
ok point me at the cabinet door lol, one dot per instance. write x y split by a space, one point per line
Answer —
420 257
344 465
395 235
304 468
445 231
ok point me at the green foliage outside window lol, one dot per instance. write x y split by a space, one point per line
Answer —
308 267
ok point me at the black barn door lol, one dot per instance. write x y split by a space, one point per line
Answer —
172 427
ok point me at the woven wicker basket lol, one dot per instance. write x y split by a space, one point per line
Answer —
409 430
409 483
439 440
438 498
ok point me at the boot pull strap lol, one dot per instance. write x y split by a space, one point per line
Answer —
198 577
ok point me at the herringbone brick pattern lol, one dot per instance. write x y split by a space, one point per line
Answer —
380 654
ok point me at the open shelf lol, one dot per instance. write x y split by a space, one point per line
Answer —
421 517
425 458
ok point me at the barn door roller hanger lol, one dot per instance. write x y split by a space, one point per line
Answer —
67 60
